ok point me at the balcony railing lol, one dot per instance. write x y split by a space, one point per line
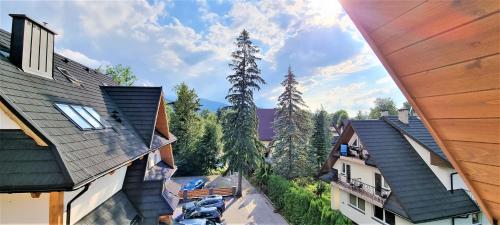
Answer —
376 195
355 152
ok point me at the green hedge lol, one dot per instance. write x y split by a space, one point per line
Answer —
300 206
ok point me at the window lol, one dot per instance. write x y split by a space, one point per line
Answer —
97 116
357 203
353 199
384 216
80 110
74 117
355 143
81 116
343 168
361 204
378 213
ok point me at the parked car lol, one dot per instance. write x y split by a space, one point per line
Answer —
208 201
211 213
194 184
196 222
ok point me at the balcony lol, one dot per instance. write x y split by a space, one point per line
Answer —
354 152
374 195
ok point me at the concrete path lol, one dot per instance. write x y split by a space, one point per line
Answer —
252 208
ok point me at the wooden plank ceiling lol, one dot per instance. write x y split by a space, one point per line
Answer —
444 56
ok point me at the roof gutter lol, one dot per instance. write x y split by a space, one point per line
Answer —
68 206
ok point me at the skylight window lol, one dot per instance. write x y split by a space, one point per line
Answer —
86 118
74 117
97 117
82 112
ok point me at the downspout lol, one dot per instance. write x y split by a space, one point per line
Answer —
451 181
68 206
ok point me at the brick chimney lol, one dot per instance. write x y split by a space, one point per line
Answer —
31 46
403 115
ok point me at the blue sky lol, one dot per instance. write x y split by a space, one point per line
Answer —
168 42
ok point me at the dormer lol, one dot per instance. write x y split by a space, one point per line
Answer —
32 46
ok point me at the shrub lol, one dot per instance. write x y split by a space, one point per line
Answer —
301 206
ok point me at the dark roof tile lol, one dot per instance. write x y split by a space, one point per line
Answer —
416 192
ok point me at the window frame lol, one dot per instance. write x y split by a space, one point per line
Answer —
58 106
356 206
101 120
384 219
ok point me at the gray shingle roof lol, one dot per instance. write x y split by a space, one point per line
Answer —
117 210
23 163
146 196
140 105
415 189
416 130
82 155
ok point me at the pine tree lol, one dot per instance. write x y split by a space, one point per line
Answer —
186 127
320 137
242 148
210 146
292 156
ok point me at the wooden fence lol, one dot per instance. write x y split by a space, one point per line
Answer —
200 193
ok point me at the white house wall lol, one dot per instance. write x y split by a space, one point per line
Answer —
99 191
442 173
366 218
6 122
21 209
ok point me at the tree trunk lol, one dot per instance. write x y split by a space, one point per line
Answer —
240 179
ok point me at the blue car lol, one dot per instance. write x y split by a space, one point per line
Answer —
197 183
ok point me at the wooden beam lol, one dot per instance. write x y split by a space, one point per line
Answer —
56 208
426 56
35 194
167 155
22 125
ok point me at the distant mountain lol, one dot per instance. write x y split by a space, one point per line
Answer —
207 104
211 105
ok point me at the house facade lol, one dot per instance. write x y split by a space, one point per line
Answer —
391 171
75 148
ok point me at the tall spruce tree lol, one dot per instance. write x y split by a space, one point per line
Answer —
242 148
186 127
320 139
292 156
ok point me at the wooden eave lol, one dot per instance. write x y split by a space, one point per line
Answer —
444 56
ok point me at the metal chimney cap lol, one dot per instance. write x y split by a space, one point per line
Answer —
23 16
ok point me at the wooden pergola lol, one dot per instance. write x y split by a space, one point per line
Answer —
444 56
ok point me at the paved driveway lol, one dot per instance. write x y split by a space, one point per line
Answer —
252 208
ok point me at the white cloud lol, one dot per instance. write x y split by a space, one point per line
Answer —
82 58
120 17
352 97
384 80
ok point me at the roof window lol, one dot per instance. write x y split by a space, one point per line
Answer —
70 77
86 118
